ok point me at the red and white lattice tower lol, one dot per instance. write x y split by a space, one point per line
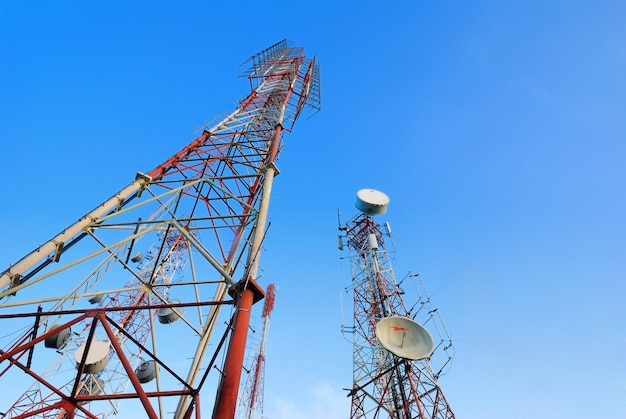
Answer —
251 399
141 308
394 351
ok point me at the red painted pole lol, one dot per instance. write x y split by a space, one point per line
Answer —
247 293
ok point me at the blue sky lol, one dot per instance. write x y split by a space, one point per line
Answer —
496 128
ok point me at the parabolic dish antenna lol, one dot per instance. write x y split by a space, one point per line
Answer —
97 357
168 315
59 339
371 202
405 338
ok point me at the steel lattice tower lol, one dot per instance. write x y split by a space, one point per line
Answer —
141 307
386 385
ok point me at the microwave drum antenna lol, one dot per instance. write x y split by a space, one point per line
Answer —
405 338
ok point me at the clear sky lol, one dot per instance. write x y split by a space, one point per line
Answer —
497 129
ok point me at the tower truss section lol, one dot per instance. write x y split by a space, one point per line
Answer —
132 309
388 381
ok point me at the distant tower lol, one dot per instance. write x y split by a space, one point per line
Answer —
139 304
393 376
251 399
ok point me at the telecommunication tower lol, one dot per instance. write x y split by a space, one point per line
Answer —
141 308
252 396
394 352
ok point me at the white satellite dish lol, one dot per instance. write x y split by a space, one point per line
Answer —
405 338
97 356
146 371
59 339
371 202
168 315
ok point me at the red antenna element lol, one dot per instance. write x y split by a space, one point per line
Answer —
121 312
393 372
268 305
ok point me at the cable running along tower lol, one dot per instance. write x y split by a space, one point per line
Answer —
141 307
394 352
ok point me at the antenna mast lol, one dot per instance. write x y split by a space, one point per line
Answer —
392 346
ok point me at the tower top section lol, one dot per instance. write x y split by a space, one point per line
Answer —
371 202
